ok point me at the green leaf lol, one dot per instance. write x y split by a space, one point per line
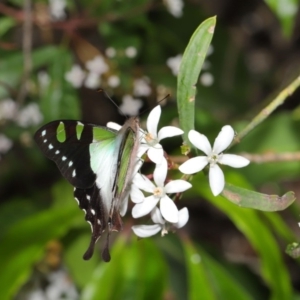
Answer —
6 23
246 198
261 238
286 11
136 271
199 285
23 245
189 71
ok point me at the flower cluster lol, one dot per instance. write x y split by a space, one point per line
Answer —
151 197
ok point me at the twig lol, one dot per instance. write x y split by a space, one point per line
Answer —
281 97
272 157
27 44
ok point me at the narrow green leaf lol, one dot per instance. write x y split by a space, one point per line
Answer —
6 23
199 285
261 238
223 281
246 198
189 71
24 242
136 271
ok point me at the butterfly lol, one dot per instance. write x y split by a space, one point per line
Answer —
100 163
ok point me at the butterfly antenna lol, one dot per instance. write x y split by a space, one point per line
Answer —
163 99
111 100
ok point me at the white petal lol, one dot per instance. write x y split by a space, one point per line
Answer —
143 183
156 154
136 195
183 217
146 230
216 180
160 173
168 131
153 120
235 161
114 126
142 149
193 165
124 206
168 209
200 141
224 139
177 186
156 216
144 208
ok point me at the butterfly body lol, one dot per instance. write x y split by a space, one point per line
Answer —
99 162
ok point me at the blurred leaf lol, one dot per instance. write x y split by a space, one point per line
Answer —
6 23
23 245
199 285
251 199
189 71
73 258
11 65
60 100
285 10
136 271
222 279
261 238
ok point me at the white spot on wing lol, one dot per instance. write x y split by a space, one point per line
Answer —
70 163
98 221
57 152
45 140
43 132
76 200
88 197
79 123
50 146
74 173
63 158
93 212
91 225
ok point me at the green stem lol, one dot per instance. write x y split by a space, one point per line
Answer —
281 97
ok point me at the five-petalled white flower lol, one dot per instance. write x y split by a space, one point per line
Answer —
159 193
160 224
150 142
213 156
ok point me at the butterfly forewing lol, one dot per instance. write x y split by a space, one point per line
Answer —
67 144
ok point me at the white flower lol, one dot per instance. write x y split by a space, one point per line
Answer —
174 64
159 193
57 9
97 65
141 87
161 225
151 139
207 79
130 106
113 81
5 143
43 79
130 52
29 115
110 52
214 156
8 109
174 7
75 76
92 80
